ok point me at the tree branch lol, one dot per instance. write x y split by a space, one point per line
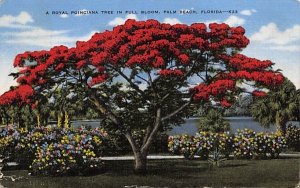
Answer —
104 110
200 77
146 146
132 143
151 84
143 79
177 110
148 131
134 86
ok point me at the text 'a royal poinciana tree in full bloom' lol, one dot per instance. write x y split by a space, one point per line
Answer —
145 75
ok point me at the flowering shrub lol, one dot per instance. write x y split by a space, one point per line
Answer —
9 139
225 143
248 144
54 151
244 144
183 144
293 137
201 144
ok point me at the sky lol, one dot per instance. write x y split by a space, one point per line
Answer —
273 26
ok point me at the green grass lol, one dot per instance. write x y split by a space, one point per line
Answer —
177 173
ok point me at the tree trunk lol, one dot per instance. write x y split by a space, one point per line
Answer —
38 119
280 124
58 120
20 120
140 165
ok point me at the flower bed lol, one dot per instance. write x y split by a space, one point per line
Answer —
54 151
293 137
245 144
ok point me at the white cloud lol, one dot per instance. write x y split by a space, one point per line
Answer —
36 32
119 20
172 21
285 58
234 21
44 38
6 68
270 33
35 36
248 12
19 21
143 86
64 16
1 1
291 73
287 48
231 21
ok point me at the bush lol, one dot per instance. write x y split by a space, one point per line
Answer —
245 144
271 144
183 144
54 151
68 156
248 144
213 122
293 137
61 151
201 144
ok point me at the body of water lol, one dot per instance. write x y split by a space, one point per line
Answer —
190 125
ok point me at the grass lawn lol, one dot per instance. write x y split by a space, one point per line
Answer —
177 173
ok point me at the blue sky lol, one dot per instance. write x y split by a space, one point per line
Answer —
273 26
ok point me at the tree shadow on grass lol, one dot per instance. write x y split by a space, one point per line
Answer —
233 165
158 168
287 157
176 170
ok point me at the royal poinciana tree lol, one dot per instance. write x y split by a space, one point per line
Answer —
145 75
16 98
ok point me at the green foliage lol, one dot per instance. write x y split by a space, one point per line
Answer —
54 151
116 143
293 137
213 122
216 158
202 144
249 144
241 107
245 144
279 106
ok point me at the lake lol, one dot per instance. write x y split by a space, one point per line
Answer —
190 125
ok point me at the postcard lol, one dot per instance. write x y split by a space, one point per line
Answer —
148 93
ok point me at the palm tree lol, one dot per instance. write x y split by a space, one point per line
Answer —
279 106
213 122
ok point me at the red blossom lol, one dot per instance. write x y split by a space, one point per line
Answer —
174 72
225 103
167 50
59 67
159 61
97 80
257 93
184 59
80 64
19 95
